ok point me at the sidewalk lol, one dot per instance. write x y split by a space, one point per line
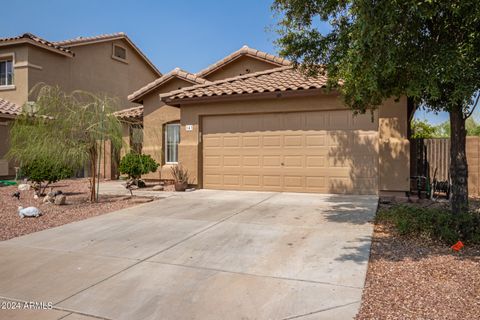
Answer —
116 188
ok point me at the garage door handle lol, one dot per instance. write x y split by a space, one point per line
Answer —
282 164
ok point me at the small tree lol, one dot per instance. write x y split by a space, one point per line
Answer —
65 128
134 165
45 170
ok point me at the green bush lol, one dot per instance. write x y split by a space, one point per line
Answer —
45 170
438 224
134 165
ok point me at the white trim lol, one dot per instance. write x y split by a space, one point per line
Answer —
8 87
9 55
166 142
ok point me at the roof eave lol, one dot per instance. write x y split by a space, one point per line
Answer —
137 98
37 44
8 116
245 96
204 73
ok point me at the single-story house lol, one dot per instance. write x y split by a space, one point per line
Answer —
253 122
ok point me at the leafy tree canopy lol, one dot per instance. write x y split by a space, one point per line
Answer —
427 49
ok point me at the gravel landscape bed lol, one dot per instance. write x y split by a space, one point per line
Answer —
76 208
419 279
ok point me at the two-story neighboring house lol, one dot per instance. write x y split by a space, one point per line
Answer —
109 64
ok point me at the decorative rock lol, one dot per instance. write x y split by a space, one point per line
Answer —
158 188
29 212
60 199
141 183
49 198
24 187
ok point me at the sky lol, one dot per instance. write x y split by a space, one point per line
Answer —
172 33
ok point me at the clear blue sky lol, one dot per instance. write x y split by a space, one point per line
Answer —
188 34
172 33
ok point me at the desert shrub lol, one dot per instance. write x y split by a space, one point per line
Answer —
134 165
180 174
47 170
434 223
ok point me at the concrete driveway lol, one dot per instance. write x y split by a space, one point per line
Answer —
201 255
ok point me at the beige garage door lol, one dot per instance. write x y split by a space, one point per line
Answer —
321 151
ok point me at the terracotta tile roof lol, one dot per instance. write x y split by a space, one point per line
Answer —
177 72
273 80
37 40
80 40
130 113
9 108
244 51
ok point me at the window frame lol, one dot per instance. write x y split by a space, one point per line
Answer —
118 58
165 147
9 57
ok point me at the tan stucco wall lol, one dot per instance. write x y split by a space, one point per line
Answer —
394 147
155 115
19 93
394 140
240 66
92 69
54 70
6 167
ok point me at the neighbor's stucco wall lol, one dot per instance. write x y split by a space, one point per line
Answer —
240 66
49 69
19 92
6 167
93 69
393 152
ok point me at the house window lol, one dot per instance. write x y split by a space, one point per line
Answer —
172 139
6 71
119 52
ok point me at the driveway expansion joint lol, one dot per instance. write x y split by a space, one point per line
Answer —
322 310
168 248
256 275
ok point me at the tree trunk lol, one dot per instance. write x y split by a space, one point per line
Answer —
93 166
458 161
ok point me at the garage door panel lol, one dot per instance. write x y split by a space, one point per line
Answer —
231 142
272 141
293 141
324 151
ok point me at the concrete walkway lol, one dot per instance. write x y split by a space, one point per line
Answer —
200 255
116 188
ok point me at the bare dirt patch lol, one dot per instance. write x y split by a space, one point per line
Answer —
76 208
419 278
